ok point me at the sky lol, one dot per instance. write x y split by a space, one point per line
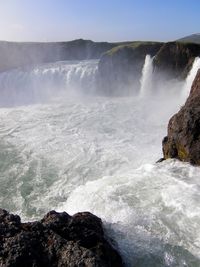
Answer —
98 20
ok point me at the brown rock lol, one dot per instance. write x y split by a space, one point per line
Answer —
58 240
174 59
183 139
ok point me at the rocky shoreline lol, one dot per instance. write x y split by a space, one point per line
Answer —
57 240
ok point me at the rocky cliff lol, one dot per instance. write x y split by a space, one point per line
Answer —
120 68
183 137
175 59
120 65
57 240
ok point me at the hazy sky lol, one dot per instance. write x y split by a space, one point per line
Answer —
99 20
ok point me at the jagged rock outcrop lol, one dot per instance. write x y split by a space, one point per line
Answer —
175 59
57 240
183 139
120 68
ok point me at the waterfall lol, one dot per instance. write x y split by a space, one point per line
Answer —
146 79
190 78
42 82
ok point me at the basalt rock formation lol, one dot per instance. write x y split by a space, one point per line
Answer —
183 138
175 59
57 240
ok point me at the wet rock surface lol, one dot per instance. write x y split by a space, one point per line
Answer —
57 240
183 139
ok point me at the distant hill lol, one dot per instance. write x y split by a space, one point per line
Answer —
18 54
193 38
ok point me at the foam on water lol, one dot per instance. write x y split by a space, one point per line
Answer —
151 211
98 154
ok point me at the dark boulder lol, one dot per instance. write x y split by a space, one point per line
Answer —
57 240
183 139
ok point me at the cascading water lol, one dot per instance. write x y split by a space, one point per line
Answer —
190 77
147 76
98 154
40 83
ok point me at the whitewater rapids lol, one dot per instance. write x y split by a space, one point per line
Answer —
98 154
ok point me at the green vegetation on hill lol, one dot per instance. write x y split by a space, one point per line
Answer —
132 45
121 66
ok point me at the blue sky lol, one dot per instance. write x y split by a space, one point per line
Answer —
99 20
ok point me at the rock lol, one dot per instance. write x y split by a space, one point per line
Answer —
120 68
160 160
174 59
183 139
57 240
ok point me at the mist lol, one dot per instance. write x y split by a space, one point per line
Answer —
44 82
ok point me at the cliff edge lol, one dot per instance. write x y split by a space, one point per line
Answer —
183 137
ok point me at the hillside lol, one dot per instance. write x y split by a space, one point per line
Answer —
17 54
193 38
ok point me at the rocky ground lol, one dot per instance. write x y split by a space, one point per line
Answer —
57 240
